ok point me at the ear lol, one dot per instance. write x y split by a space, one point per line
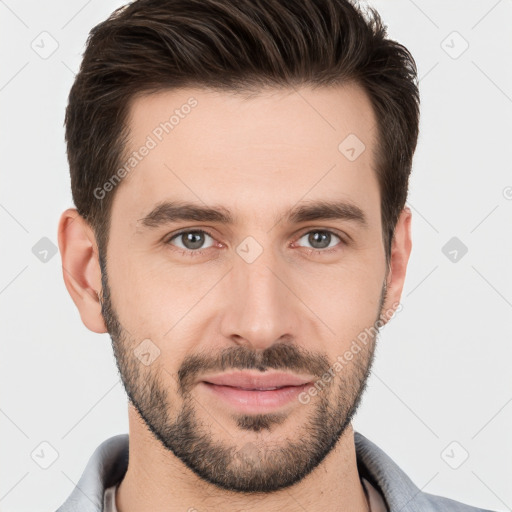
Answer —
400 252
80 267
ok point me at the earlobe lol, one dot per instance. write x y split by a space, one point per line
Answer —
80 267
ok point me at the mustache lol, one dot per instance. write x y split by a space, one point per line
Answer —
280 356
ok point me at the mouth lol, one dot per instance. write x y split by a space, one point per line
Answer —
255 393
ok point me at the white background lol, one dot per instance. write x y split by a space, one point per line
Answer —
442 370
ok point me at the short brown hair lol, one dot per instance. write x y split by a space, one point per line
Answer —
155 45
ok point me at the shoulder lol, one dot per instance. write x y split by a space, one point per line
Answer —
440 503
106 467
398 490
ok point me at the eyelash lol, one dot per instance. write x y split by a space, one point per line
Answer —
200 252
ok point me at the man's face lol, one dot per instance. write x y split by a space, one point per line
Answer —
251 295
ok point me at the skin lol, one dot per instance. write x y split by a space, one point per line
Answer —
288 309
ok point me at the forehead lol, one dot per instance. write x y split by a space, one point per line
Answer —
266 151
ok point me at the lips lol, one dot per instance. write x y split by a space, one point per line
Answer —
254 393
257 382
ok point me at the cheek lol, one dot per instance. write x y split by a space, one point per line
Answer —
152 297
345 297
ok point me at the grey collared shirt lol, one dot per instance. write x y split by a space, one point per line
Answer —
375 499
109 463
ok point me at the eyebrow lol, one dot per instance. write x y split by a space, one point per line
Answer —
171 211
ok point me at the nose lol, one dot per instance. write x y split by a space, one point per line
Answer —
260 308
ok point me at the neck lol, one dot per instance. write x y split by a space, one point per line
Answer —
157 480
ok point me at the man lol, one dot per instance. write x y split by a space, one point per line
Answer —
240 171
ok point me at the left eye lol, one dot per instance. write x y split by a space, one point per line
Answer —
319 239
